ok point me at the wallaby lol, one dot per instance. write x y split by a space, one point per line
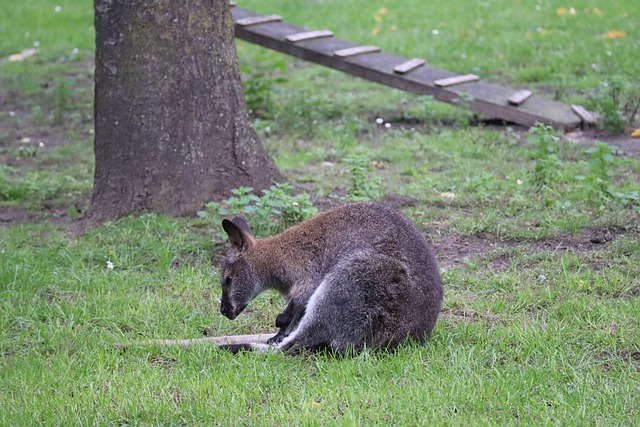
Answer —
354 276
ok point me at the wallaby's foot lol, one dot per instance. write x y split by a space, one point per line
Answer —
277 338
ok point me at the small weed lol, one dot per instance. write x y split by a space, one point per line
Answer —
37 116
26 150
548 168
601 166
268 214
12 189
597 182
484 185
467 116
362 187
300 114
5 183
618 102
61 97
259 80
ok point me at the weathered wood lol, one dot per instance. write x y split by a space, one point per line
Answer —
519 97
408 66
488 99
356 50
260 19
308 35
224 340
585 116
232 4
456 80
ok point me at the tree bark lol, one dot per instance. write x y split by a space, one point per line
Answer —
171 125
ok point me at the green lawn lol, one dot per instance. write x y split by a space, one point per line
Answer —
538 239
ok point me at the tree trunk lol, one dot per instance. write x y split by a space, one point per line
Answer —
171 126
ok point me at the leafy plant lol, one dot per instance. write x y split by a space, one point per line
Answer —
362 187
259 79
268 214
618 102
467 116
484 185
37 116
601 166
300 112
548 168
601 170
61 97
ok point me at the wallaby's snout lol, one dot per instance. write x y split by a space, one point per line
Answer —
229 310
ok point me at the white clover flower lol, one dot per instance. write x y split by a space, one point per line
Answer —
109 265
379 120
57 9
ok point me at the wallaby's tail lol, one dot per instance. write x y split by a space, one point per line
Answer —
233 343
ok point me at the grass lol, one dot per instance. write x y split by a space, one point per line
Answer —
510 345
538 326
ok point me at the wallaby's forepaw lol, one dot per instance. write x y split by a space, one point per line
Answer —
276 339
283 319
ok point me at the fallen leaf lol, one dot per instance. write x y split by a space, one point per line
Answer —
613 34
22 55
447 195
636 133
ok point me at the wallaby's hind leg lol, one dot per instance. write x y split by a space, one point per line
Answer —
360 303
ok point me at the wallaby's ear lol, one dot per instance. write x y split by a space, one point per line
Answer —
239 232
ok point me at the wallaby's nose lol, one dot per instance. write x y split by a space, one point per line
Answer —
227 310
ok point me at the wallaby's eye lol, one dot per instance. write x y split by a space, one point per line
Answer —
227 281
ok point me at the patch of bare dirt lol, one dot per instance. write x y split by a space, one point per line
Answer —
454 249
10 215
626 144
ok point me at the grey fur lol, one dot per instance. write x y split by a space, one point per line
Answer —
357 275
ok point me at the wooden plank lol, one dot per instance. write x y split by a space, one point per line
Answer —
586 116
259 19
356 50
490 100
410 65
308 35
456 80
519 97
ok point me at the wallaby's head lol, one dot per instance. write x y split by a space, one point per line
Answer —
239 279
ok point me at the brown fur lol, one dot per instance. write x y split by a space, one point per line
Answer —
380 283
